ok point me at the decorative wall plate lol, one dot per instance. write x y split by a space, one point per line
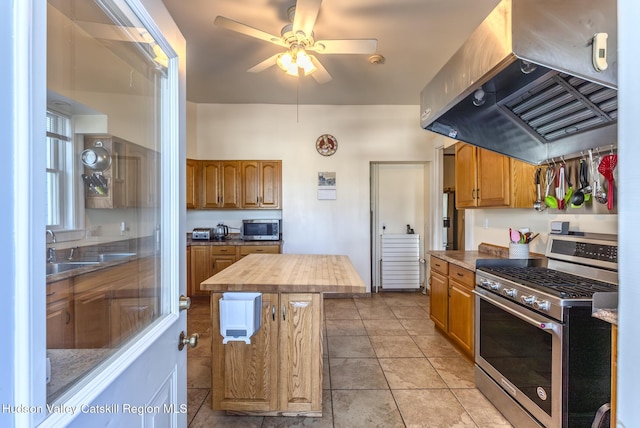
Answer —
326 145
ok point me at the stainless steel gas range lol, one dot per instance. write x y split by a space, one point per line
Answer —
541 358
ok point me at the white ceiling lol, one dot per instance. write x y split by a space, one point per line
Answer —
415 36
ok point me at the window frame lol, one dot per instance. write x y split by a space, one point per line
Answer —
70 201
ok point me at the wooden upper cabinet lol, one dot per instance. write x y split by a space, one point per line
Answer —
270 184
132 178
220 182
261 184
493 179
466 175
193 183
230 184
234 184
250 184
488 179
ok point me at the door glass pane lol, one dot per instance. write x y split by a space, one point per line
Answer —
108 75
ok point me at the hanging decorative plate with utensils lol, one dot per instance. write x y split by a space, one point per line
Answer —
96 158
326 145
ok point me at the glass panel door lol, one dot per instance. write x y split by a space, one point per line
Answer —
108 76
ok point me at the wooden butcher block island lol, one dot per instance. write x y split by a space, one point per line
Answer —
280 372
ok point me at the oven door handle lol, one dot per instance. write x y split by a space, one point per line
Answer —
543 325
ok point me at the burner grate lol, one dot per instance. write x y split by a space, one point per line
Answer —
562 284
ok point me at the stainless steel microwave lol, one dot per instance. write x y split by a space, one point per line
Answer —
260 230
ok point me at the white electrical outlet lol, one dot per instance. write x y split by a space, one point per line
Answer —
485 223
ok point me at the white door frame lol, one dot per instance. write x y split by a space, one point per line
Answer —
22 302
427 222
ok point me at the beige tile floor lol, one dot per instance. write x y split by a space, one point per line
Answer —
385 365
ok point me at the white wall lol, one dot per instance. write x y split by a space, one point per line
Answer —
365 134
498 222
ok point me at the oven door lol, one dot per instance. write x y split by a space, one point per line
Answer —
521 350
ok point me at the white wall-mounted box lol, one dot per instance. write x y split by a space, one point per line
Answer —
240 315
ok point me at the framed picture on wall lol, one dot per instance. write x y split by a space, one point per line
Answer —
327 185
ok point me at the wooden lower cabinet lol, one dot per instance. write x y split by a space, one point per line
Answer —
245 250
461 315
102 308
452 302
92 318
60 317
93 293
128 315
281 370
222 256
204 261
439 300
200 268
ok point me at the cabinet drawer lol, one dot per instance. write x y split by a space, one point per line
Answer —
439 265
461 275
58 290
259 249
229 250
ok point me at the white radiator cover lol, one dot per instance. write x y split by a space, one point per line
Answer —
400 261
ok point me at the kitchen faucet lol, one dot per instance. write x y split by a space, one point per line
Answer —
53 235
52 255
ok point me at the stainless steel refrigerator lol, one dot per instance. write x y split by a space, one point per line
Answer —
449 221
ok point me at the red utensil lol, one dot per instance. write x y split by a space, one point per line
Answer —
606 167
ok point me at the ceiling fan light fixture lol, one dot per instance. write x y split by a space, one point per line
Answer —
303 61
285 60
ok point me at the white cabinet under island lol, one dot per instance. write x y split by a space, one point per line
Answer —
280 371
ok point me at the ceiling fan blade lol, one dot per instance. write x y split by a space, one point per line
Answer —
305 15
354 46
321 75
271 61
115 32
232 25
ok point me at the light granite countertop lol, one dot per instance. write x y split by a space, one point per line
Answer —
465 259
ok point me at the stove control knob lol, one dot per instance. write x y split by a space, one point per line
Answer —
528 300
490 284
510 292
542 305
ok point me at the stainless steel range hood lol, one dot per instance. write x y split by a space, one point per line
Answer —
561 107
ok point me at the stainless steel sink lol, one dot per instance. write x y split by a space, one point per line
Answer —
53 268
107 257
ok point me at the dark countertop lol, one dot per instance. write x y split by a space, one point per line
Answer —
103 265
94 267
230 241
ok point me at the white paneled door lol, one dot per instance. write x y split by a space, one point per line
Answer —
113 68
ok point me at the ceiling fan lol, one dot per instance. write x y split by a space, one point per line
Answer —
297 39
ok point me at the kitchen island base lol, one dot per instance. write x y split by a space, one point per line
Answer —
280 372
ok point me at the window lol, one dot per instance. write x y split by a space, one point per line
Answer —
60 186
